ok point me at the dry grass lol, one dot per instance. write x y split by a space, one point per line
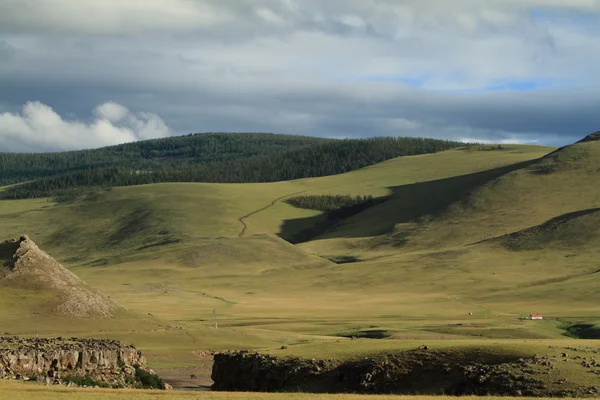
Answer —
20 391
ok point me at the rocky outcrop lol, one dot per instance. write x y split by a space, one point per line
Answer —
98 362
26 266
255 372
410 372
419 371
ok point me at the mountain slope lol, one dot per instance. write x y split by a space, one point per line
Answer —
569 231
468 209
127 220
517 239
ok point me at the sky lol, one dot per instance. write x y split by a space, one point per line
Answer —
88 73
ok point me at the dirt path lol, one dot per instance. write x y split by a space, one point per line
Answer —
242 218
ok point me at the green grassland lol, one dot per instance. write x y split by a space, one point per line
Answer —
129 242
464 243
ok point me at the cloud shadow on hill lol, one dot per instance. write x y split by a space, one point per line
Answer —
406 203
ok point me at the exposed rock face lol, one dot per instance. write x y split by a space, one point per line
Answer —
53 360
254 372
420 371
31 268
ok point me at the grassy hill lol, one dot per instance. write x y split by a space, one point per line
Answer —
133 233
127 219
497 234
519 239
471 208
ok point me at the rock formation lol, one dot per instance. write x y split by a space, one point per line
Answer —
255 372
31 268
104 362
420 371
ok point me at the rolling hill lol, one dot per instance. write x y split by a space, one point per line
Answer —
520 238
232 158
145 233
457 244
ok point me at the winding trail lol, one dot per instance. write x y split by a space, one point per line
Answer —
242 218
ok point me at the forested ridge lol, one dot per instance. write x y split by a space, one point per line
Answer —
150 154
226 158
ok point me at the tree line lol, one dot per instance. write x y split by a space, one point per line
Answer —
329 202
282 158
166 153
336 209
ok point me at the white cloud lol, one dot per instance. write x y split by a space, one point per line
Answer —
111 111
39 126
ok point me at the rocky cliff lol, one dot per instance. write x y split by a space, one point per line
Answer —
255 372
97 362
418 371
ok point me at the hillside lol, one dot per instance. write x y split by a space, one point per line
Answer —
475 207
228 161
130 218
512 239
150 154
456 247
146 238
126 234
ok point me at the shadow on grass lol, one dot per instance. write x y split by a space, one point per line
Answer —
344 259
7 252
583 331
406 203
367 334
556 229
